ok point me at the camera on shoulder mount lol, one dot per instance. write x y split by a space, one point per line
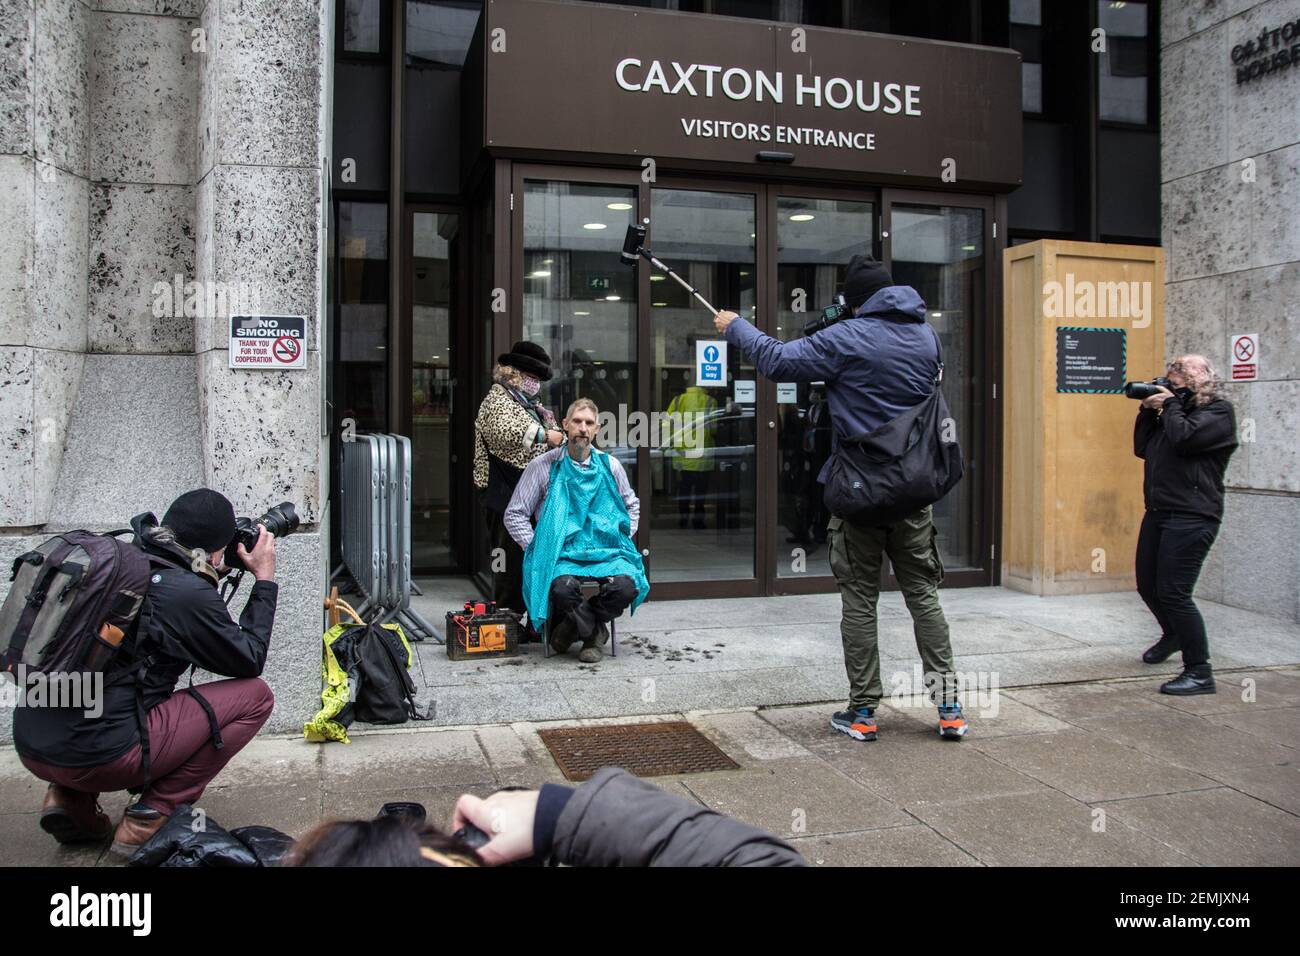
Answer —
828 316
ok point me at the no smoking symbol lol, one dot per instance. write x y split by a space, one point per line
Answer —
1244 349
285 349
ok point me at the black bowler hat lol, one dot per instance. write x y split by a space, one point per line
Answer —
202 518
528 358
865 278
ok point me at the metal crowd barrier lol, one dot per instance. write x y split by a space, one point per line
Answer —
375 492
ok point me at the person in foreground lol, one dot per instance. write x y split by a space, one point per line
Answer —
1184 438
613 819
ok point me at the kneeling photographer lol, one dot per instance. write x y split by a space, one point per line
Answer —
151 738
1185 433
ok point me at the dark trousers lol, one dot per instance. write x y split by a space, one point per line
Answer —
1171 550
609 602
692 486
182 760
507 584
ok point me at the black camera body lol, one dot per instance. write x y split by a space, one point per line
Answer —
1143 390
279 521
828 316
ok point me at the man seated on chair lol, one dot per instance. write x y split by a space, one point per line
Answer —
585 514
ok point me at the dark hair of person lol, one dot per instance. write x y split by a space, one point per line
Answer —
384 841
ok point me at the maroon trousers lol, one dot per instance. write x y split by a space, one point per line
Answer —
181 756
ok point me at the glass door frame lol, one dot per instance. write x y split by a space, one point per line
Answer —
510 195
461 344
774 584
987 455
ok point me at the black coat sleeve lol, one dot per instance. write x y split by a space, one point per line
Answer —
1205 428
192 623
1145 426
615 819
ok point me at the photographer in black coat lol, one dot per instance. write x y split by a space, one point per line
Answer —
1185 437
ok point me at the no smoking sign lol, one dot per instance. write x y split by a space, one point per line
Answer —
268 341
1243 355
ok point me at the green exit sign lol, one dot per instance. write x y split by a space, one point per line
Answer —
598 283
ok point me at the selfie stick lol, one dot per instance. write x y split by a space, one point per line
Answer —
634 248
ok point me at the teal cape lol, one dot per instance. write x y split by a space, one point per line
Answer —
584 530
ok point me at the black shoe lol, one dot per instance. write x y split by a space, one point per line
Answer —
562 635
1161 650
1196 679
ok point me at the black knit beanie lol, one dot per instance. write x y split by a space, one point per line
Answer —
865 277
202 518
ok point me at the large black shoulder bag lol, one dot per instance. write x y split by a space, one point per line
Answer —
902 466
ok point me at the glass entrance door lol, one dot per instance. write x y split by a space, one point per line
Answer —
816 236
938 245
703 513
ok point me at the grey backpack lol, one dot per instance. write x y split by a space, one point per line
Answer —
71 603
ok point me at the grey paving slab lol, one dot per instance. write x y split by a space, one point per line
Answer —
795 797
989 712
747 738
1078 703
1280 725
1275 784
1241 691
1218 827
898 846
1089 767
458 705
274 759
24 843
912 770
388 761
1044 829
809 725
983 632
292 806
1197 744
677 693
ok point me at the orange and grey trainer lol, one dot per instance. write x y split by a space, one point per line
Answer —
952 725
859 723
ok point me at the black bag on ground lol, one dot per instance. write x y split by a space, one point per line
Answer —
904 465
379 683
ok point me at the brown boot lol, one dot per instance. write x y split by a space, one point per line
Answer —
138 825
71 816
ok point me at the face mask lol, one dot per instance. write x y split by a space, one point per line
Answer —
530 385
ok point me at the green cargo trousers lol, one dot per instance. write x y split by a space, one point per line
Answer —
856 559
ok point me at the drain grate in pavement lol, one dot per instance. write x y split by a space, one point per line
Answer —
646 750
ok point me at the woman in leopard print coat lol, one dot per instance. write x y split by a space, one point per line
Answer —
512 428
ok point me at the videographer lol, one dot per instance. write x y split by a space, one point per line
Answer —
1185 437
170 743
877 363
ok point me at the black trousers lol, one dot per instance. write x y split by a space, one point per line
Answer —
609 602
507 584
1171 549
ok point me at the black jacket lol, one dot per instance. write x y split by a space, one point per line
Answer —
183 621
614 819
1186 448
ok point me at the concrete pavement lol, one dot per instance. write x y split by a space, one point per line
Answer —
1072 759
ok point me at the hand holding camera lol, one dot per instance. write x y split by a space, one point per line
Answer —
261 560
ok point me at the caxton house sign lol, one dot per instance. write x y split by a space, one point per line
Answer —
1272 51
570 78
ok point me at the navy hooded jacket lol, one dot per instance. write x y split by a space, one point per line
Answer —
876 365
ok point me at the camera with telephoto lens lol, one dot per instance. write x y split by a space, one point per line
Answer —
1141 390
828 316
279 521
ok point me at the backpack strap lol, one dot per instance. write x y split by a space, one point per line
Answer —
213 726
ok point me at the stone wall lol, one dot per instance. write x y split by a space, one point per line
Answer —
146 144
1230 161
